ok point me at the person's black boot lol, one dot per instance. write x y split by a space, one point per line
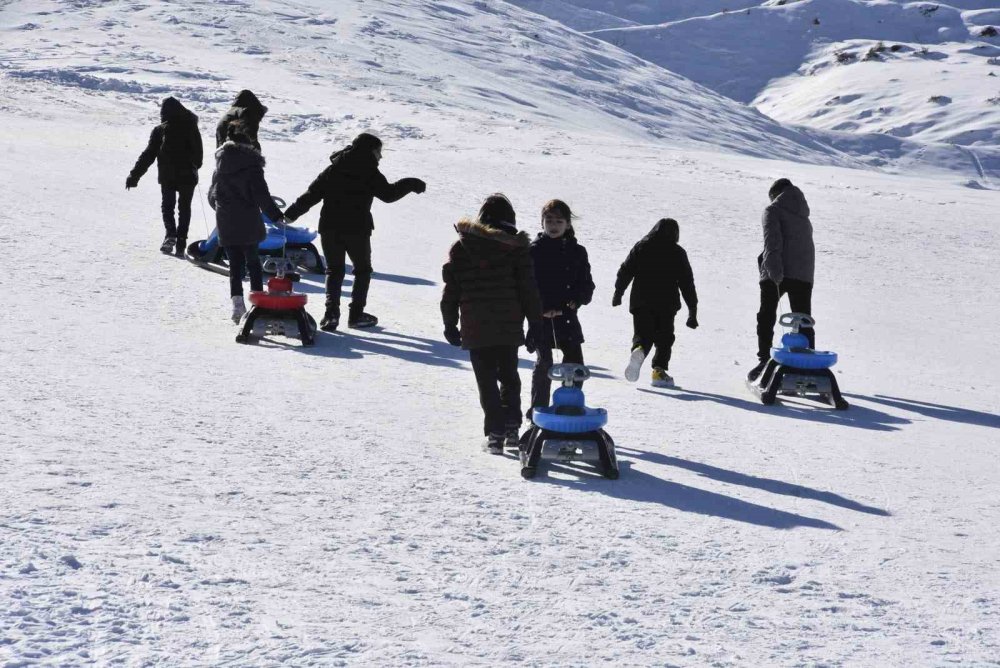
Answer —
331 319
360 319
180 246
755 372
167 247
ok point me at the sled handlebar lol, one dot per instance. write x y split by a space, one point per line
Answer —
797 320
569 374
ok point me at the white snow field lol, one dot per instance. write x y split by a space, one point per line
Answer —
169 497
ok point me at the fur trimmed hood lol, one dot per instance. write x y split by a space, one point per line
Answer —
233 157
484 241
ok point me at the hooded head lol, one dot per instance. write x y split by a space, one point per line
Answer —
666 231
247 100
171 110
367 144
498 212
777 188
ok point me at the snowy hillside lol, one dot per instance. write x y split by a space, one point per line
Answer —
924 72
168 497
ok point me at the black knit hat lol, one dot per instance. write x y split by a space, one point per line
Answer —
366 142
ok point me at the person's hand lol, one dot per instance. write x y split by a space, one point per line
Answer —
131 182
692 320
617 299
415 185
453 336
532 337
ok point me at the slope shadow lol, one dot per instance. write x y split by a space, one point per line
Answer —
936 411
393 278
766 484
391 344
857 416
638 486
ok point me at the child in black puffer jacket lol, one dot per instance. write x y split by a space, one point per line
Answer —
562 271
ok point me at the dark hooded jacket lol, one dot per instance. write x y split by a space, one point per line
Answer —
788 239
175 145
249 111
562 272
489 280
239 194
347 189
660 270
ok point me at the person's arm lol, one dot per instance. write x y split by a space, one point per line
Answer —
685 281
212 194
585 281
220 132
451 296
262 195
146 158
197 149
311 197
626 273
392 192
772 265
527 288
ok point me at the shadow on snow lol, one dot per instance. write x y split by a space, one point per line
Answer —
936 411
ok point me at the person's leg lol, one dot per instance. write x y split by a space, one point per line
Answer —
237 265
254 268
359 249
184 196
334 251
167 209
643 326
510 386
769 297
541 385
572 353
664 339
485 368
800 298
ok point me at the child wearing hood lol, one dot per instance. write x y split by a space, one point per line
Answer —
175 145
658 269
347 189
248 111
238 195
562 272
489 290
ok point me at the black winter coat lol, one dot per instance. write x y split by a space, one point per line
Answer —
239 193
249 111
488 279
347 189
175 145
562 271
660 269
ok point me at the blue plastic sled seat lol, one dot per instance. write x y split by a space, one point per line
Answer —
804 359
592 419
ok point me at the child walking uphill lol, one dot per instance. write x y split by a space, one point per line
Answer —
658 268
239 194
489 286
175 145
562 271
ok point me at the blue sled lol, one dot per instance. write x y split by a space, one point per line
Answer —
294 243
568 430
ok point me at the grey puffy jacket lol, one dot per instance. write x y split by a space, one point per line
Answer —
788 239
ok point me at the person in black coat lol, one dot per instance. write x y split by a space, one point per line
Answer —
562 271
175 145
238 195
248 111
658 269
347 189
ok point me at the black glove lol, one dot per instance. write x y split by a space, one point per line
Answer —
533 337
617 299
452 335
131 182
692 320
415 185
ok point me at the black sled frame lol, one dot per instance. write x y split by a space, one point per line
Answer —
306 323
533 442
783 379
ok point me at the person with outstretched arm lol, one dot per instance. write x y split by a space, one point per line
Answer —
347 188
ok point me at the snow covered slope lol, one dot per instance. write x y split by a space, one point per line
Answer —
168 497
925 72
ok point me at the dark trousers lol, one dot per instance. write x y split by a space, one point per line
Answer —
359 248
179 196
541 384
244 259
654 329
499 387
799 297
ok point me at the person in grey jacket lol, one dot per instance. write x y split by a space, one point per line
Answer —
786 266
238 195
